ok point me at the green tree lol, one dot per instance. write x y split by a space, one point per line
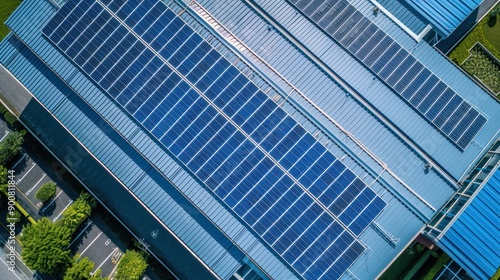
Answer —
46 191
45 246
10 147
78 212
81 269
131 266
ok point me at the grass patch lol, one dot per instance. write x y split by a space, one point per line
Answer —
487 32
486 70
496 276
492 31
6 8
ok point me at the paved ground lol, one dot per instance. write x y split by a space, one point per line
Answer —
12 91
94 239
96 242
31 173
20 270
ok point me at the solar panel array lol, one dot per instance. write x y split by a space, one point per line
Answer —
425 92
277 177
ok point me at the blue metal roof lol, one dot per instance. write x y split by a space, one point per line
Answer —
445 15
320 232
412 20
151 172
472 239
344 104
127 165
304 42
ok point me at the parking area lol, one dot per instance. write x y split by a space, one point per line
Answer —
93 239
21 271
31 173
99 238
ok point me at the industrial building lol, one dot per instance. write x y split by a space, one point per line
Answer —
250 139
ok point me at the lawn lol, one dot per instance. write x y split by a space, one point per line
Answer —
487 32
492 31
474 61
6 8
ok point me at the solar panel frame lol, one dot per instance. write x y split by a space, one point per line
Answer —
382 56
176 121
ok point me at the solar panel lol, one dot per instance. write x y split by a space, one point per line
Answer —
245 148
386 58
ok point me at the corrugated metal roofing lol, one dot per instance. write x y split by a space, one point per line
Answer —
472 239
283 55
445 15
398 8
413 194
110 149
150 186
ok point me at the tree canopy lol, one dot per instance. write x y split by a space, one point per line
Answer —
45 246
131 266
10 147
81 269
77 212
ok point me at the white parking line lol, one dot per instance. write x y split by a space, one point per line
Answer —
1 258
15 164
109 256
52 201
57 217
32 166
81 254
20 259
83 230
32 188
6 133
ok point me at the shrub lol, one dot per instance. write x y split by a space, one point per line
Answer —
3 109
46 191
485 69
496 276
10 118
3 179
441 261
461 51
